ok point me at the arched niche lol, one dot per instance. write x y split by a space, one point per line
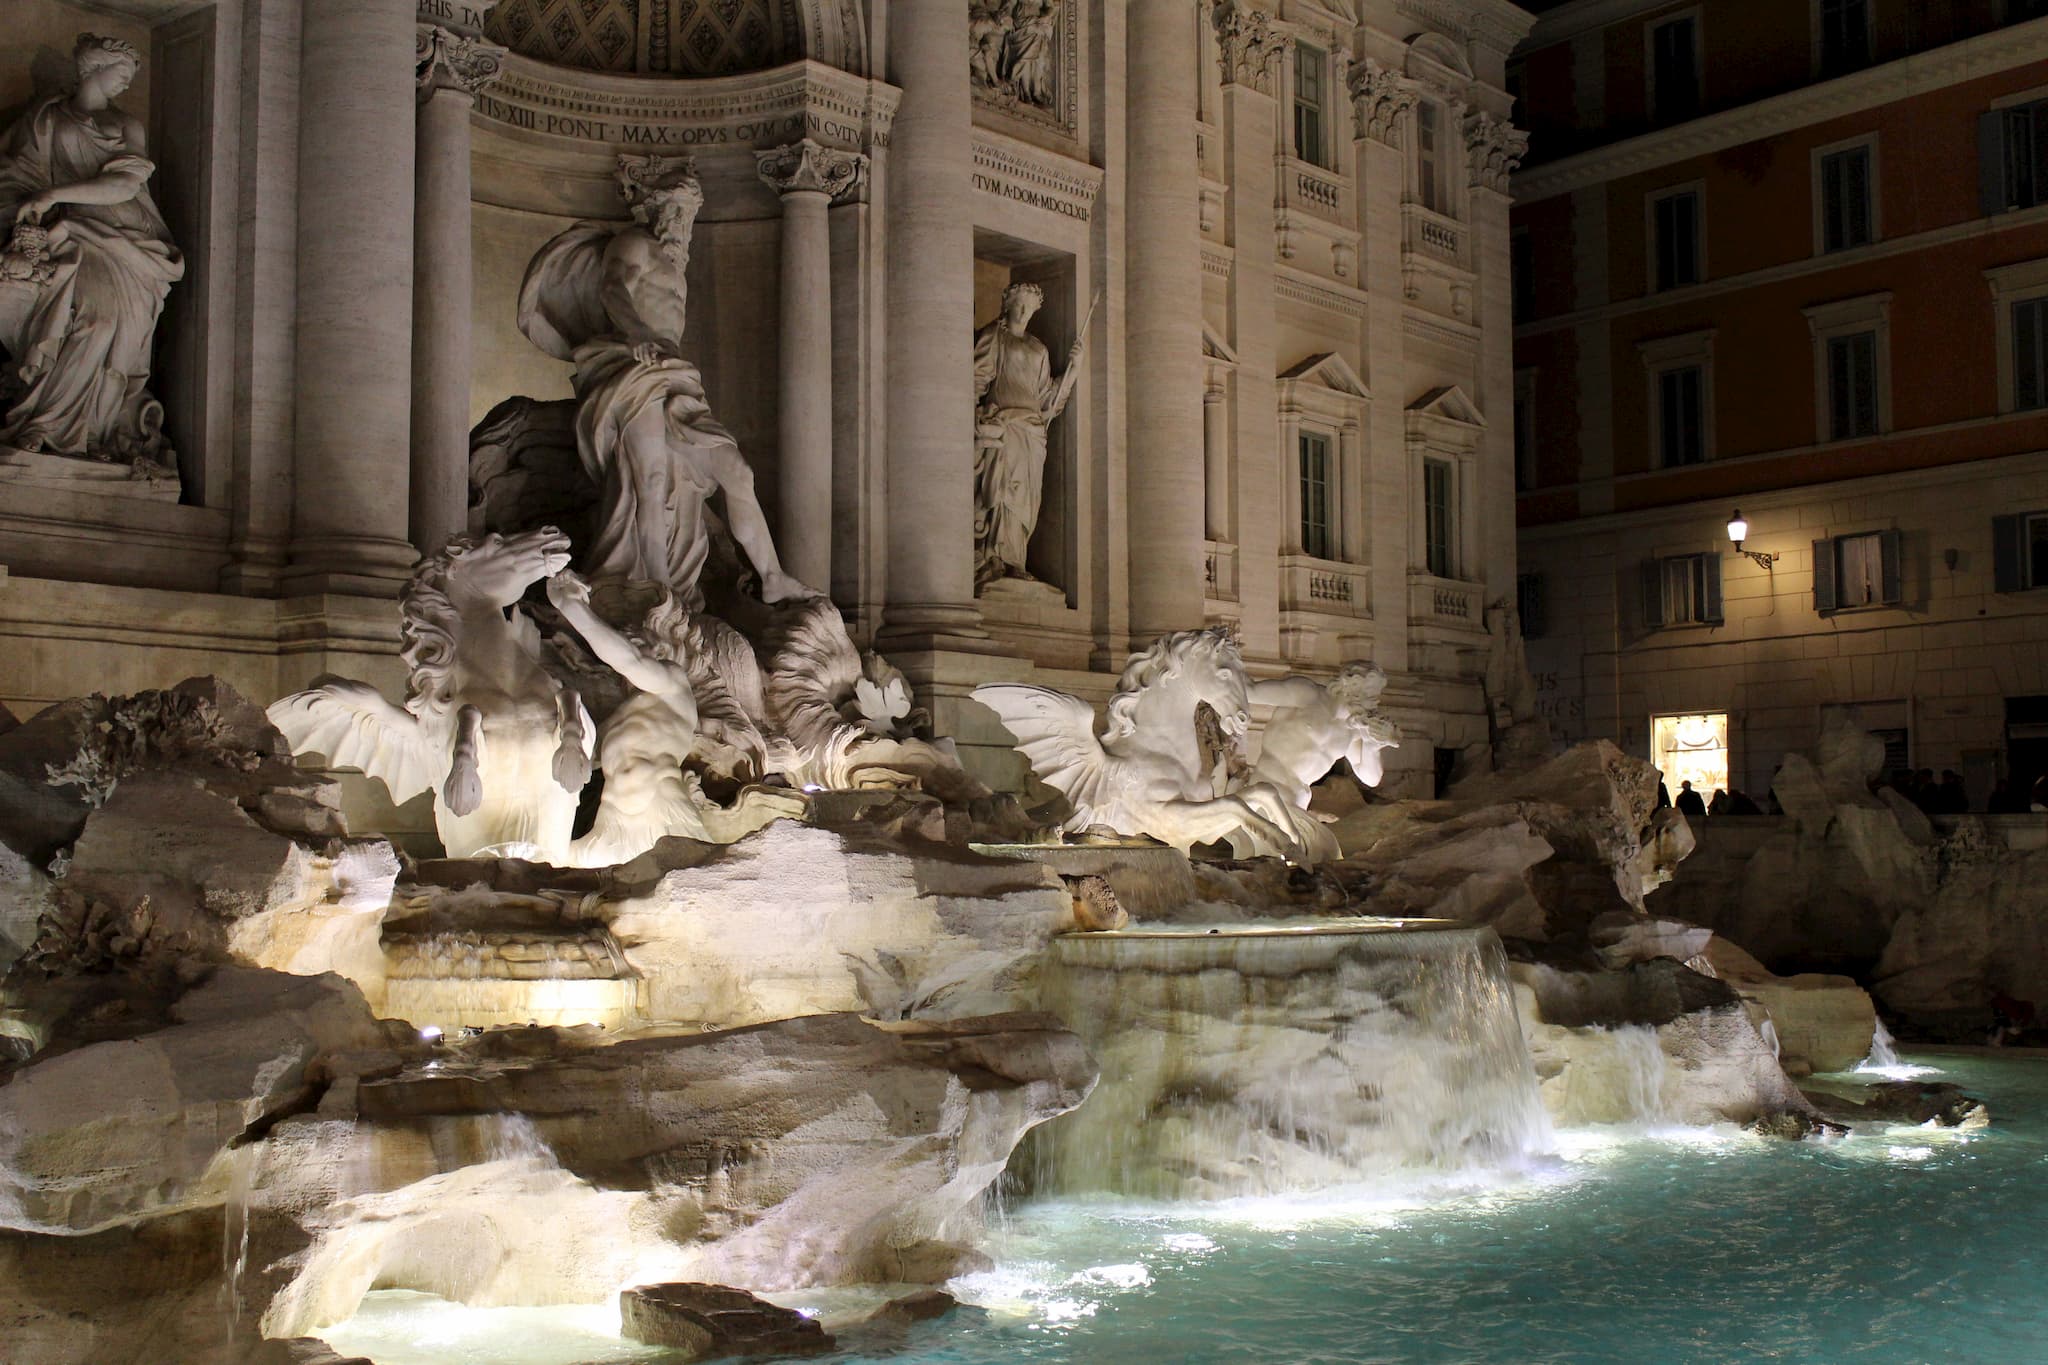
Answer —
681 38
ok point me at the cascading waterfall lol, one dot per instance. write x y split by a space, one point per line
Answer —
1640 1064
1262 1061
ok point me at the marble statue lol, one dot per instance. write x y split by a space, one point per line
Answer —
611 300
643 744
1314 725
504 747
84 272
1013 49
1148 773
1016 397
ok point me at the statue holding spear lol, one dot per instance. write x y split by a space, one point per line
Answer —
1016 398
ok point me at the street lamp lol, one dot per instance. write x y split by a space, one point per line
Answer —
1738 531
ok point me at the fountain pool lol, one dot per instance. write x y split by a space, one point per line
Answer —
1634 1243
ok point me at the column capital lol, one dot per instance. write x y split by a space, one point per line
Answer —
1249 46
807 167
1494 148
1379 97
446 60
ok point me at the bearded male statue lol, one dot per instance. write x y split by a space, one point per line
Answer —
611 299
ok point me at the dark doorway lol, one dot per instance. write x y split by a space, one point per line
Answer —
2026 742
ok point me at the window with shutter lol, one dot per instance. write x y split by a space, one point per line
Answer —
2029 354
1824 575
2019 551
1676 224
2012 157
1439 518
1891 567
1845 199
1681 590
1852 385
1317 537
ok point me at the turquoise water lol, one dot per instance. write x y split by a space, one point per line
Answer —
1892 1245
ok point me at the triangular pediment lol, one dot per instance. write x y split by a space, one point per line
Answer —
1215 347
1450 403
1328 369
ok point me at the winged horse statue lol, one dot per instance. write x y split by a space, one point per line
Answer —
504 748
1150 772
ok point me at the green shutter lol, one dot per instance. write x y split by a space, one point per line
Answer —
1891 566
1824 575
1653 593
2008 552
1710 588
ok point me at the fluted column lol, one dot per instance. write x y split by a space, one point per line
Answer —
930 589
451 69
808 177
1163 321
353 428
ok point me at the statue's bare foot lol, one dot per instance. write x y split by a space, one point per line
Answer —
780 587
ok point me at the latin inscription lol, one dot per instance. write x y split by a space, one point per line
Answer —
781 128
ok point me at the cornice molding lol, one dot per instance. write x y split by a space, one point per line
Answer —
1923 72
656 113
1569 21
1009 168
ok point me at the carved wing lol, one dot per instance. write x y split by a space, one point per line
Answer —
561 300
1056 735
353 726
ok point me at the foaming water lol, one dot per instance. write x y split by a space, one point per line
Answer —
1264 1062
1634 1241
1884 1062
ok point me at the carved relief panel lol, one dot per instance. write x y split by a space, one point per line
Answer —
1023 59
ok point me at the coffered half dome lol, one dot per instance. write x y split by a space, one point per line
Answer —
680 37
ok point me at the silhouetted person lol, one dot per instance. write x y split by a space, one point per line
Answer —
2006 799
1689 803
1663 796
1719 804
1925 794
1741 803
1953 797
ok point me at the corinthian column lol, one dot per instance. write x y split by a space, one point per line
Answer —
931 330
1163 321
808 177
451 69
352 468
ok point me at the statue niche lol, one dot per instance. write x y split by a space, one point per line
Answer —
84 271
1016 398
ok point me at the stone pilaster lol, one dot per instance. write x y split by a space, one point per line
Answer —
1163 321
1216 458
352 467
1250 51
1493 148
930 296
450 69
808 177
1380 99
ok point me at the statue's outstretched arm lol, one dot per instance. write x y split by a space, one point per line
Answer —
571 596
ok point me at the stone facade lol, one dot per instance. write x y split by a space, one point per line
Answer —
1786 285
1283 232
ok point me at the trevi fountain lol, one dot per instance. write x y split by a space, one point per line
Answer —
658 712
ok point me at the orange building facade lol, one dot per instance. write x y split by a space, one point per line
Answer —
1791 257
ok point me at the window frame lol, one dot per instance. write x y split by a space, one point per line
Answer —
1444 204
1651 252
2012 540
1994 115
1710 598
1325 148
1331 546
1826 567
2020 282
1449 565
1660 357
1652 113
1822 71
1867 142
1828 322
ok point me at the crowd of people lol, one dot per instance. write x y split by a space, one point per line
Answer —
1944 796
